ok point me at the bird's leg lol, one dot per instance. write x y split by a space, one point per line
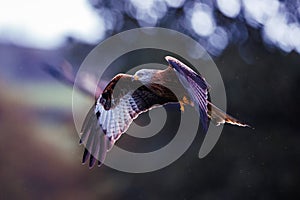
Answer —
183 102
181 105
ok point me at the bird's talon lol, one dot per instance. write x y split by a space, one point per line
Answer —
181 106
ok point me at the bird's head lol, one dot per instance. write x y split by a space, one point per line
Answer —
144 75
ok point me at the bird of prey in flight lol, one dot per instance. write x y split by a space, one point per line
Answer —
126 96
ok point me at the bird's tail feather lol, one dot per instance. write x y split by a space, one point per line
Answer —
220 117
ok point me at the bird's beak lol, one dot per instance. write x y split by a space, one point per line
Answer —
135 77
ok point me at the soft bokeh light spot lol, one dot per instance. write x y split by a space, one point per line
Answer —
202 21
219 39
230 8
279 32
147 12
113 18
258 11
175 3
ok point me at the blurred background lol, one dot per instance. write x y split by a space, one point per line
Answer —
256 46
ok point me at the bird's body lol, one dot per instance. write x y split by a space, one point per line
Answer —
127 96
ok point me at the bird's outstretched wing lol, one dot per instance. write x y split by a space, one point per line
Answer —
195 85
121 102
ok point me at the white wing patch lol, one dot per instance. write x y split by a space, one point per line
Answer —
117 120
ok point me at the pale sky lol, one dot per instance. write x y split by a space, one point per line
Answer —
45 23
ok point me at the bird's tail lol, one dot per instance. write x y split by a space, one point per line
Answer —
220 117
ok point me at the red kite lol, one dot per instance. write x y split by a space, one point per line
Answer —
127 96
